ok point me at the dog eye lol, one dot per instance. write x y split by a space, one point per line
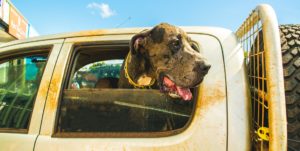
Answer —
195 46
175 46
165 56
175 43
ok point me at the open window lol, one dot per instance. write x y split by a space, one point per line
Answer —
93 105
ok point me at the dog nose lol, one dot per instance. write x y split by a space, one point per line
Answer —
202 67
205 67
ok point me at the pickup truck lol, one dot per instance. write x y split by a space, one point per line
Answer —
49 98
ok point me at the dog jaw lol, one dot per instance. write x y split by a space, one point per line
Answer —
175 90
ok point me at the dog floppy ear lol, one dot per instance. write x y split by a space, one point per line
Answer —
138 42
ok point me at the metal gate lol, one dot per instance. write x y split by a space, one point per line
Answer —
260 39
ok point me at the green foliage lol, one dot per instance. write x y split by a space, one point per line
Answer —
103 70
99 70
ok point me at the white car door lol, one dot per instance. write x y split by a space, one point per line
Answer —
25 73
79 115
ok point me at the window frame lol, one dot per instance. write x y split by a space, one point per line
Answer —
22 53
66 79
74 52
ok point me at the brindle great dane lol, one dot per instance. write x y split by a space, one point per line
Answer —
166 55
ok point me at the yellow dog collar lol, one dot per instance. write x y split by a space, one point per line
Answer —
136 85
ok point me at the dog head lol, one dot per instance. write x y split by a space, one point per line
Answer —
171 57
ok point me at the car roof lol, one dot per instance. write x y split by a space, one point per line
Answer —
115 31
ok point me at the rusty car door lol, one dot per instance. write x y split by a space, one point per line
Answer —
206 129
26 72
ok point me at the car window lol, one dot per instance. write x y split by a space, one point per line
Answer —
19 81
93 104
91 75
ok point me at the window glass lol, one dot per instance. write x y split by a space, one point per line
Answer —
92 102
91 75
19 81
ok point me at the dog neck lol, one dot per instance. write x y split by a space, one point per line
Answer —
136 74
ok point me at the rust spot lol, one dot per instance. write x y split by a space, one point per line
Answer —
44 88
90 33
212 94
53 93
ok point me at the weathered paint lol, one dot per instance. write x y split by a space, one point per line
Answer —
217 93
274 73
203 132
72 35
39 105
25 141
274 70
208 129
239 127
15 141
48 121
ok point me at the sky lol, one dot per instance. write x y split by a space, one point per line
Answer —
57 16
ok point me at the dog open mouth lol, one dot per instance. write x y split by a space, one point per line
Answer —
174 90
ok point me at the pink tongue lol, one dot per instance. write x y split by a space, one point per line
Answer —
168 82
185 93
